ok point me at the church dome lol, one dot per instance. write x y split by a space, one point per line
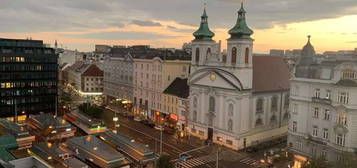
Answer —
203 33
241 29
308 49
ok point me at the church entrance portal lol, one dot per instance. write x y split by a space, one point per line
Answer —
210 134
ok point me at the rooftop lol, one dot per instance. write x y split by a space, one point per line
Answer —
21 42
145 52
96 147
93 70
270 73
134 149
178 87
47 120
13 129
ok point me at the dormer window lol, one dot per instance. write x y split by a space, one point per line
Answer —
349 74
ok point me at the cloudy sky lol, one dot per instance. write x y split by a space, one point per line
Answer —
80 24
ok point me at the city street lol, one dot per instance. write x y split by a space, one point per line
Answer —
173 146
203 158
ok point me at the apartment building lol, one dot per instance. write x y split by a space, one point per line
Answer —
151 78
323 108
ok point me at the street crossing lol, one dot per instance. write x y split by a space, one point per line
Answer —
195 162
249 161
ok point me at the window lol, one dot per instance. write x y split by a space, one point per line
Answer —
295 108
274 103
184 68
342 119
194 116
230 110
195 102
147 76
328 94
340 139
258 122
273 119
197 57
246 59
314 131
259 106
224 58
316 112
168 78
211 104
317 93
325 133
229 142
299 145
234 55
294 126
230 125
286 102
348 74
327 114
208 51
343 97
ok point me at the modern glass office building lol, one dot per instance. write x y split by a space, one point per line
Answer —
28 77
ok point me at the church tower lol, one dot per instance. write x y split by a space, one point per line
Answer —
240 50
203 45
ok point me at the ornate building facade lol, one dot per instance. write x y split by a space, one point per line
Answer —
323 107
236 99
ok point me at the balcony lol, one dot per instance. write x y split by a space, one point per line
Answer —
259 111
321 100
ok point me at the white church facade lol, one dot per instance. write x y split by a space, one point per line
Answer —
236 99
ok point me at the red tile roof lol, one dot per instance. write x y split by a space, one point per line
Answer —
93 70
270 73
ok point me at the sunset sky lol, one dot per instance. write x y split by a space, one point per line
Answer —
278 24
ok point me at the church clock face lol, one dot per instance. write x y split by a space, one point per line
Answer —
212 76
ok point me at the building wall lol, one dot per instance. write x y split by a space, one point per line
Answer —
92 84
151 78
317 110
28 77
118 78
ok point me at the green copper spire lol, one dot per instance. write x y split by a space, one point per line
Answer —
203 33
241 29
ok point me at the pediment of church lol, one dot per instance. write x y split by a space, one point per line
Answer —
218 78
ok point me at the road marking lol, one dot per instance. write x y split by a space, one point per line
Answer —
249 161
197 161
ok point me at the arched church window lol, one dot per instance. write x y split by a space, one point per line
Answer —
286 101
197 55
234 55
230 110
274 103
212 104
230 125
273 119
224 58
194 117
195 102
208 51
259 105
258 122
286 116
246 58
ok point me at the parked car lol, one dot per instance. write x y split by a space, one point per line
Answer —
159 127
169 131
137 119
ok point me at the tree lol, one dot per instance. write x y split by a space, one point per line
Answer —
319 162
90 110
164 162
